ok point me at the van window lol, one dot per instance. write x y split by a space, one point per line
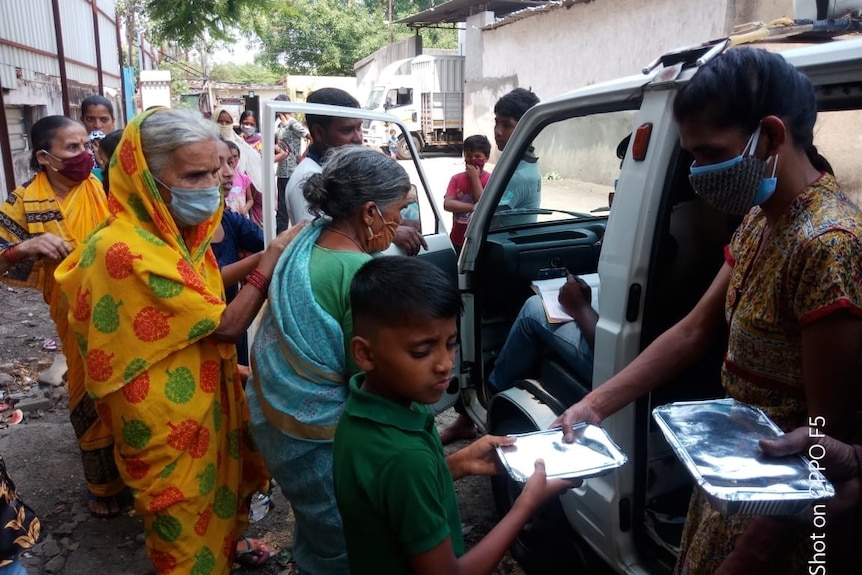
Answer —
575 162
399 97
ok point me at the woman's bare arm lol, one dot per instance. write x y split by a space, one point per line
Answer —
669 354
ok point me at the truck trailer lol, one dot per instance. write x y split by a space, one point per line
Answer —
427 94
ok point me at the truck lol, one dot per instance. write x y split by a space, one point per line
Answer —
426 93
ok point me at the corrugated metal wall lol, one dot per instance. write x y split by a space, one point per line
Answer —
28 23
79 41
110 53
30 70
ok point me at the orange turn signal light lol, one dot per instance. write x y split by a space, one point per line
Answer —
641 142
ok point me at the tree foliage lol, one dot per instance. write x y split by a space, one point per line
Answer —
326 37
181 73
186 22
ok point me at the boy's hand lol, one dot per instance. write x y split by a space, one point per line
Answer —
478 458
539 488
472 171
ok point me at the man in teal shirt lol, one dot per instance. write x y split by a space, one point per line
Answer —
525 185
523 192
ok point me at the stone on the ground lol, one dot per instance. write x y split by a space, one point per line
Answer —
7 367
54 374
55 564
48 548
6 379
31 404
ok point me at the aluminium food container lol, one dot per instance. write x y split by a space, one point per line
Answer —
592 453
717 440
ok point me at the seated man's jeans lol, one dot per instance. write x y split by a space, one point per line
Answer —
530 335
14 568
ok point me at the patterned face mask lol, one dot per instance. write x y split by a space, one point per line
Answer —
736 185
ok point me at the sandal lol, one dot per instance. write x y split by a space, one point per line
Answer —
252 556
115 505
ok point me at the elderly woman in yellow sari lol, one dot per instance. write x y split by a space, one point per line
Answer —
147 306
40 223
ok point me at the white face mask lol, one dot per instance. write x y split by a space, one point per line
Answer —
248 130
226 131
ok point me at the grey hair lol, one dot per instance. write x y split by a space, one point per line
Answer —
166 130
353 175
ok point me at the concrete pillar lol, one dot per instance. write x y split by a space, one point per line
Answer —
473 72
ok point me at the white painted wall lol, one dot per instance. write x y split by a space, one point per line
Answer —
559 50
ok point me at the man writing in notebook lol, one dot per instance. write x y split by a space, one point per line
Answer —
533 331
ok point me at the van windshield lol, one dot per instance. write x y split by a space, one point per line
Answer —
375 99
572 165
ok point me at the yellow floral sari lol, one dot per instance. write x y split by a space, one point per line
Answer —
32 210
144 298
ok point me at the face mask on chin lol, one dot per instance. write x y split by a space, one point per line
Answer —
736 185
76 169
382 239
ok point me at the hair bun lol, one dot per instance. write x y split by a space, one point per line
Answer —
315 193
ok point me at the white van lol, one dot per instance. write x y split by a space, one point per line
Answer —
656 253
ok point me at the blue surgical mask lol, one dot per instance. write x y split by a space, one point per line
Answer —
767 185
192 207
736 185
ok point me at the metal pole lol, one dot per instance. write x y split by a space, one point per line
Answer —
61 57
122 65
98 46
5 148
130 34
390 21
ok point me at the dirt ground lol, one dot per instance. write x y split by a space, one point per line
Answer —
42 459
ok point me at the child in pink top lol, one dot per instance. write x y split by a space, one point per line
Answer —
239 199
465 188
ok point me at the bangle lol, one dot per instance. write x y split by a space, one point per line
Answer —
258 280
12 255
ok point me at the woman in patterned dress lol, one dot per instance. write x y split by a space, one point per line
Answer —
147 307
790 291
40 223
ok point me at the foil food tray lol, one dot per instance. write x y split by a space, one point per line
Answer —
592 453
717 440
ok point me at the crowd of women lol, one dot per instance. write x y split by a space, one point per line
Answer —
141 284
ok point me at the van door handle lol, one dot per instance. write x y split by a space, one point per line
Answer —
633 305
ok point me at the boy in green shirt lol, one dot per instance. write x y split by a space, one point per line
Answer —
392 482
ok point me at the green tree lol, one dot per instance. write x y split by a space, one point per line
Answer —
326 37
185 22
181 73
323 37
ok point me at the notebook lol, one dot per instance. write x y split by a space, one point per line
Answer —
549 291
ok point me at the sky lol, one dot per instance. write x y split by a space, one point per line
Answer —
239 53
